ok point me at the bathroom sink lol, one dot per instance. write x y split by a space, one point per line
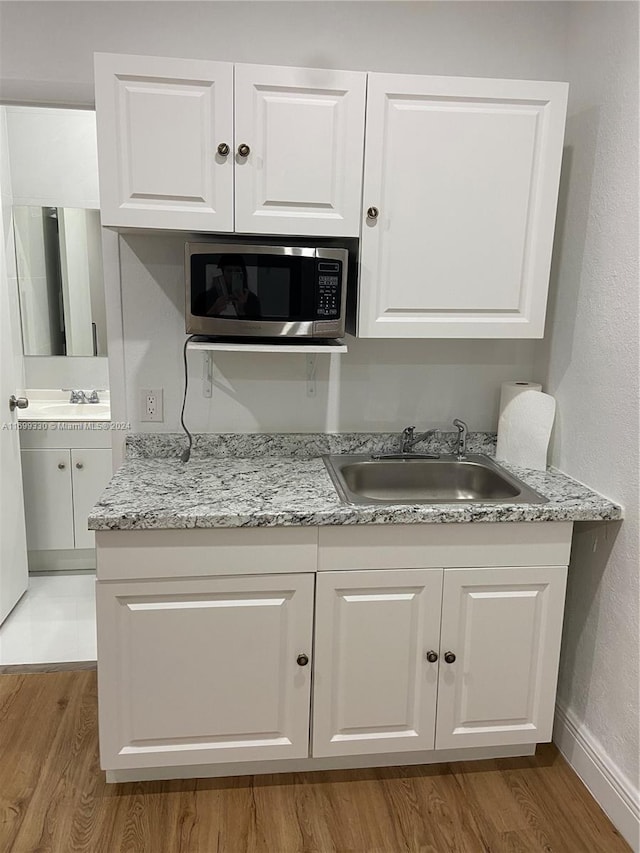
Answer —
477 479
61 410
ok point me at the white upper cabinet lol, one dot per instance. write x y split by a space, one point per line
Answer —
160 122
461 176
304 129
169 158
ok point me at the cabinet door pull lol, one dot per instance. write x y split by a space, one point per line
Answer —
79 465
373 213
61 466
432 656
243 150
223 149
449 657
302 660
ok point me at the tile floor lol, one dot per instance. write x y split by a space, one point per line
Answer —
54 621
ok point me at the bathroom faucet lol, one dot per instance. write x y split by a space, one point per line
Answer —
77 396
461 443
408 438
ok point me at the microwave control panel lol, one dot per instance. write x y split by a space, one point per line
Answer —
328 289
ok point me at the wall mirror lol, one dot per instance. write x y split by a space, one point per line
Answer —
60 284
53 170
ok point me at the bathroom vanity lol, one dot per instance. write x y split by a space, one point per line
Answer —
251 622
67 461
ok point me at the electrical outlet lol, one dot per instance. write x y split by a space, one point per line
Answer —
151 405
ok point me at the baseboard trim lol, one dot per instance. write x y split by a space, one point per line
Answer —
64 666
614 792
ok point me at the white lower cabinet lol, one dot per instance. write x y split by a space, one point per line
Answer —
60 487
327 651
204 671
374 690
503 627
494 634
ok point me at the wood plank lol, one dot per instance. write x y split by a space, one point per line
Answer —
53 797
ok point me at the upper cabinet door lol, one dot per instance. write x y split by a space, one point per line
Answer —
502 627
462 175
300 171
160 122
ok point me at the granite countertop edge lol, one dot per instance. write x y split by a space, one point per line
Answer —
242 481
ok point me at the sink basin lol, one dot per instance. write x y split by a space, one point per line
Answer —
64 411
363 480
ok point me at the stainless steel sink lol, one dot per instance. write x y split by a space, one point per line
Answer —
478 479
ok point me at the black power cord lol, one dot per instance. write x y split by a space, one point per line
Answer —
186 453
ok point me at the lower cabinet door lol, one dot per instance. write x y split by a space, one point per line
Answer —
92 469
501 631
374 688
204 671
48 503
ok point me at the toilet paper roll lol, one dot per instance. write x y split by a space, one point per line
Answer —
524 430
509 390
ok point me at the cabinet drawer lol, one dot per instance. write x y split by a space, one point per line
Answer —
131 554
415 546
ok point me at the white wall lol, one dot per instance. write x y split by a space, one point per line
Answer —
46 47
54 156
66 372
378 385
590 359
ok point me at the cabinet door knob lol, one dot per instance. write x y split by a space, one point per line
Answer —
17 403
302 660
79 465
373 213
449 657
432 656
61 466
223 149
244 150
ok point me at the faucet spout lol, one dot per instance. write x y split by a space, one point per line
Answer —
408 438
461 448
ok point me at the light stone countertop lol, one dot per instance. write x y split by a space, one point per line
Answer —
279 480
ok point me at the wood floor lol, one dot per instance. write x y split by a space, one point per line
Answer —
53 797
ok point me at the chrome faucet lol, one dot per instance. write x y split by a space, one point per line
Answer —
76 396
461 443
409 438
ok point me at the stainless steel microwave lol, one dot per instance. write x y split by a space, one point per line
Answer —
240 290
